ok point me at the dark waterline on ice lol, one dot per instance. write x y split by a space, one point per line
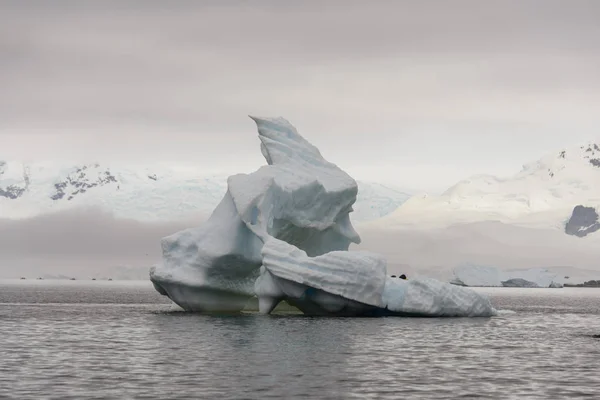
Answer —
94 339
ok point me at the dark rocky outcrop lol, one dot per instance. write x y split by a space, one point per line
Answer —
518 282
591 154
13 191
592 283
79 182
583 221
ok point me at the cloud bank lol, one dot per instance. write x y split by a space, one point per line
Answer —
414 93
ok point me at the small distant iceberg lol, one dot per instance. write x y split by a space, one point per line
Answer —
489 276
281 234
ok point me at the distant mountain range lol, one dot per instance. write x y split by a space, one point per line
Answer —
149 193
559 191
545 216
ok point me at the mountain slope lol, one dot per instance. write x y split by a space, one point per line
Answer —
146 193
543 195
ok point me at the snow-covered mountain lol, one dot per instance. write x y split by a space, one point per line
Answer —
146 193
545 216
544 194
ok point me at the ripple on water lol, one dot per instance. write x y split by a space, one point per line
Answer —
124 341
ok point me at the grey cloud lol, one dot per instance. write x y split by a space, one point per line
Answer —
176 80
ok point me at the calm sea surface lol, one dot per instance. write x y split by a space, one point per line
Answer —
98 339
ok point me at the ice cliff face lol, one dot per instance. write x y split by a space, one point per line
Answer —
282 233
298 198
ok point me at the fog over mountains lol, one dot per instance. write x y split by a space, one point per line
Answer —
101 220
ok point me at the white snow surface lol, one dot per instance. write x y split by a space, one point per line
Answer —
542 195
282 233
481 275
150 193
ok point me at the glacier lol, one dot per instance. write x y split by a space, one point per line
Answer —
282 233
489 276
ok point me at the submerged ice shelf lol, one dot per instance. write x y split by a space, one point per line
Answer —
282 233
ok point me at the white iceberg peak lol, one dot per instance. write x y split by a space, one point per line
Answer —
282 233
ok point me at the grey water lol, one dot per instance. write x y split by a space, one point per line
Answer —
98 339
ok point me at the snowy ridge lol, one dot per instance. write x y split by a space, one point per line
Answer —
542 195
149 193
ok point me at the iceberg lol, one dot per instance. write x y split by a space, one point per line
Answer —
426 296
338 282
283 233
488 276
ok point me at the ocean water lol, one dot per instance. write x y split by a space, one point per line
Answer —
100 340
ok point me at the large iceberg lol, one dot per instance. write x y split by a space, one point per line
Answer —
489 276
282 233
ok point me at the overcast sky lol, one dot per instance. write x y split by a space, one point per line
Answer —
416 93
